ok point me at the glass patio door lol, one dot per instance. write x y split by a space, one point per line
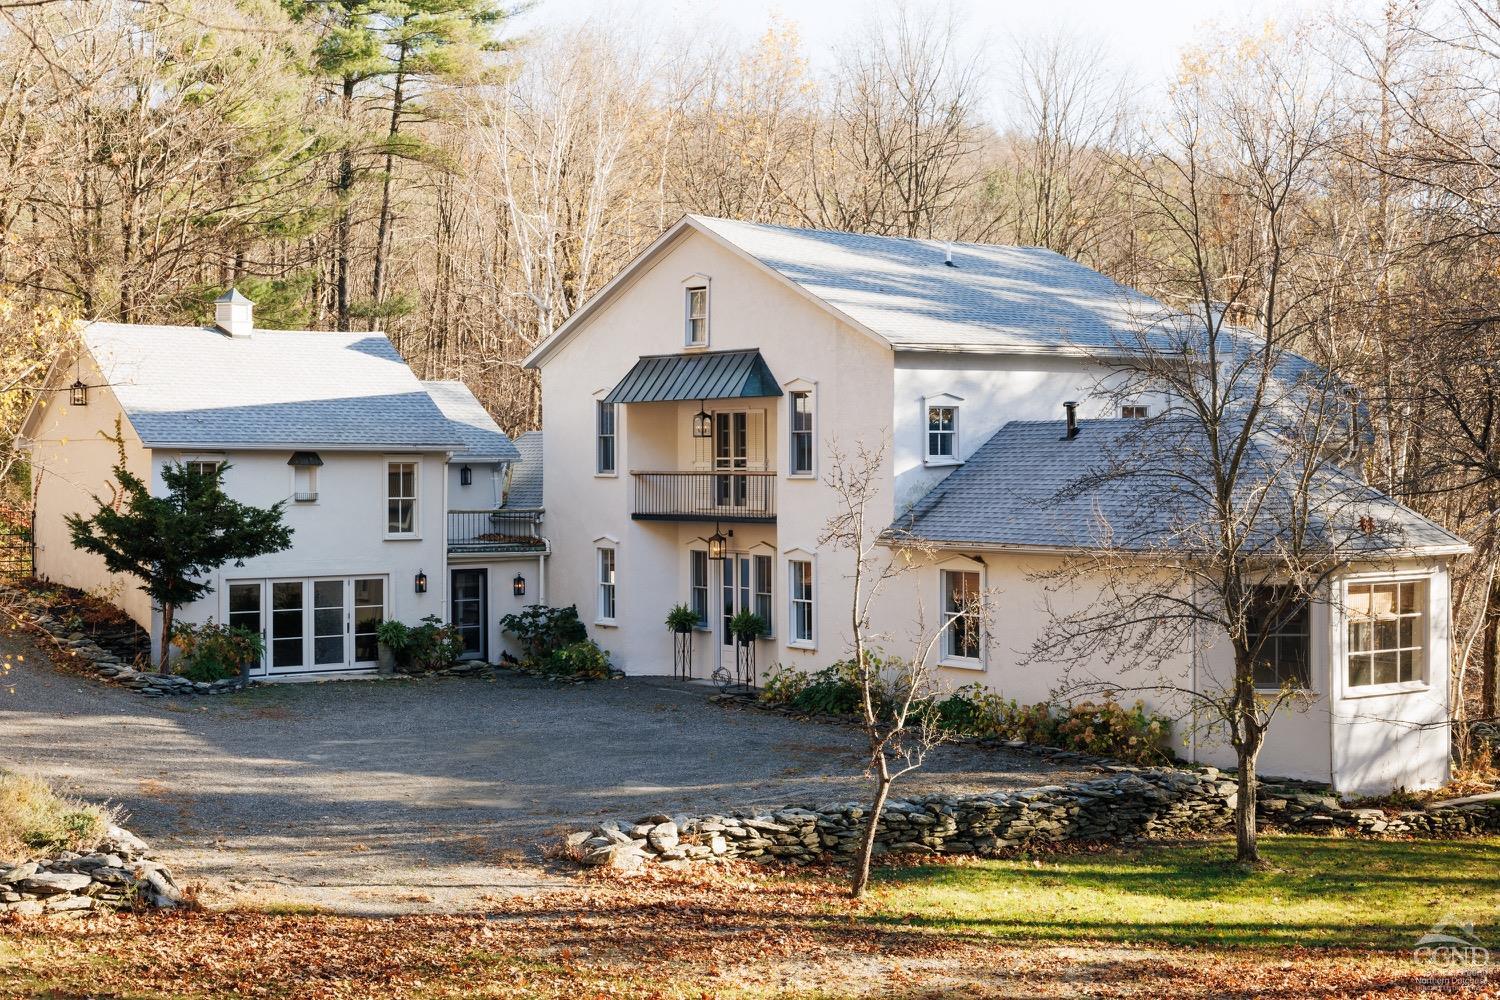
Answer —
330 620
246 601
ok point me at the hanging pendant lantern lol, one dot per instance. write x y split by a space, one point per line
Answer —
703 422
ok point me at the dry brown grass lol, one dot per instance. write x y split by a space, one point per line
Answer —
36 821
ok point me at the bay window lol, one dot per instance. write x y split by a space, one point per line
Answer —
1387 631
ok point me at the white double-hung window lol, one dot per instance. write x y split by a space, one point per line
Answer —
940 436
801 446
961 618
606 562
695 320
604 448
401 498
800 589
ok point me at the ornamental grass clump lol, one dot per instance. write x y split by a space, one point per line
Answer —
36 821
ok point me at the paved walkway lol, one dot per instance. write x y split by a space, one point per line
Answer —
420 794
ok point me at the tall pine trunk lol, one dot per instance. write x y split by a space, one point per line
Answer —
383 221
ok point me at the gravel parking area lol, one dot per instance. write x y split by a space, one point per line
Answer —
420 794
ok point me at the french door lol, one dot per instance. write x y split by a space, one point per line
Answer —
312 623
731 454
469 599
746 586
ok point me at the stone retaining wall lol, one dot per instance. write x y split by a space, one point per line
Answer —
1123 805
115 875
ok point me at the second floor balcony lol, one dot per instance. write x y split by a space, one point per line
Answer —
480 531
705 496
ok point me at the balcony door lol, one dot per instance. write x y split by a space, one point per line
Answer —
731 453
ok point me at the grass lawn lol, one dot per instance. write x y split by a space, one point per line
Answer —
1335 918
1318 892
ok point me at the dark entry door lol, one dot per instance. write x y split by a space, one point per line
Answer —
470 598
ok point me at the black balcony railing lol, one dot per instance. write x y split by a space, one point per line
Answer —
705 496
495 531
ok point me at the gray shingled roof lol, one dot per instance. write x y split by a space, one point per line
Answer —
526 474
1028 487
483 439
194 386
994 297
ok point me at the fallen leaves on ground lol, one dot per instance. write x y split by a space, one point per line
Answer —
732 933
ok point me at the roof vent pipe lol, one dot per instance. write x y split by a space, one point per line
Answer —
232 313
1071 408
948 255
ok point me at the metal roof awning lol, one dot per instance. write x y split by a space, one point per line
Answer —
709 375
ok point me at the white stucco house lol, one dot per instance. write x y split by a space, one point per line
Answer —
396 489
702 391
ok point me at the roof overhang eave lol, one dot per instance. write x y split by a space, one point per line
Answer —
367 446
894 541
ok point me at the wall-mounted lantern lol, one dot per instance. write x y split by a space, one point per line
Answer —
421 582
466 476
716 542
79 393
518 586
703 423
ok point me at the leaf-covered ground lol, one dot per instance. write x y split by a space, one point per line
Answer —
971 928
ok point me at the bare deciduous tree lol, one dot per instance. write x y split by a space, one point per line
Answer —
897 696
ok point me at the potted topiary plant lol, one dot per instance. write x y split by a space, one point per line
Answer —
681 619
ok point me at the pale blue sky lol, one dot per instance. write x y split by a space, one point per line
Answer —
1143 36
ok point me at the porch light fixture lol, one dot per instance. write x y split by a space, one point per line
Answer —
421 582
518 586
703 422
79 393
716 542
466 476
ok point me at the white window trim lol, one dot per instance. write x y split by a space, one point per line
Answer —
691 282
606 544
619 416
1145 415
981 662
1341 637
811 388
956 404
415 535
791 556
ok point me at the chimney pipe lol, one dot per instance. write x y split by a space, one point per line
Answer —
1071 408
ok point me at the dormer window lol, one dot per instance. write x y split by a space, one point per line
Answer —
696 326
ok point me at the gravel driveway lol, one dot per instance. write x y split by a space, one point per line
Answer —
420 794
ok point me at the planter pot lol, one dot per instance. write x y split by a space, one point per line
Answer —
387 661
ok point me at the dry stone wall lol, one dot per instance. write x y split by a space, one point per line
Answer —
1123 804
